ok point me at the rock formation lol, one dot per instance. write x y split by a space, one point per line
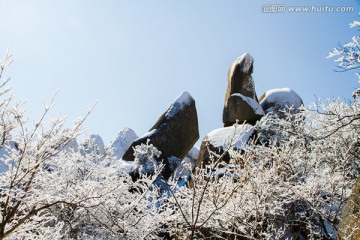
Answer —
240 98
174 134
243 109
279 100
93 144
122 142
350 219
240 79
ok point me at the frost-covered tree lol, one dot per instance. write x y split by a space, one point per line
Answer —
348 55
291 183
52 189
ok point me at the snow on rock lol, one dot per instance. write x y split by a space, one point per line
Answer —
240 97
252 103
184 99
125 166
93 144
245 61
241 108
72 145
234 137
280 99
193 153
173 134
122 142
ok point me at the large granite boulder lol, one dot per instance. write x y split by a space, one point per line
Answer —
240 82
174 134
279 100
241 108
239 77
222 139
350 219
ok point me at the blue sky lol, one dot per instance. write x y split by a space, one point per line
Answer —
135 57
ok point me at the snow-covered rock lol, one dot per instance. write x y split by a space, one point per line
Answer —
93 144
174 134
244 62
72 145
230 136
241 108
222 139
279 100
240 98
122 142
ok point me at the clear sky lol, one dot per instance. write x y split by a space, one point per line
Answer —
135 57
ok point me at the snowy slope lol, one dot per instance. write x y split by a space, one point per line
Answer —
93 144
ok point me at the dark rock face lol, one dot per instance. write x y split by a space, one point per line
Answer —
350 219
244 109
174 134
278 100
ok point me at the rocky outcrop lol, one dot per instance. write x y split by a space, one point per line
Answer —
241 108
122 142
350 219
240 79
221 140
240 99
279 100
174 134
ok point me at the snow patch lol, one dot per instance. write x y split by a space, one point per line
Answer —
236 136
148 134
282 98
125 166
193 153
